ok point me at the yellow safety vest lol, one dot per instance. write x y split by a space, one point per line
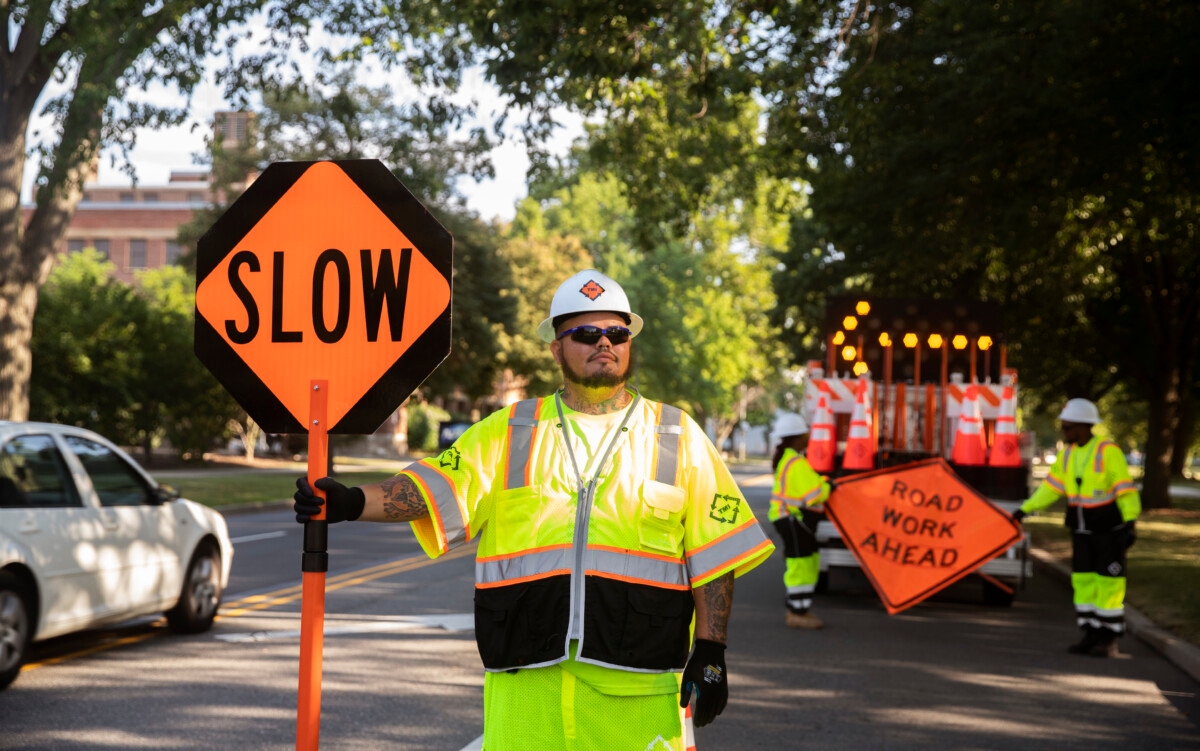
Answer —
611 563
1095 480
797 486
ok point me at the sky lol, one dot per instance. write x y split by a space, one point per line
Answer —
159 152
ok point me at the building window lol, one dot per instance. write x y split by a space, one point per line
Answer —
195 198
149 198
75 245
173 252
126 198
101 247
137 254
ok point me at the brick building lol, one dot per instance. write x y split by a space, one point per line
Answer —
135 228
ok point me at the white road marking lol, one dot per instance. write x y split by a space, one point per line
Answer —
475 745
256 538
452 622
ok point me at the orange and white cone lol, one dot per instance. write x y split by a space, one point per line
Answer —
969 447
1005 451
822 439
860 448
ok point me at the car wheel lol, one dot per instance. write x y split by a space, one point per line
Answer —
197 606
15 630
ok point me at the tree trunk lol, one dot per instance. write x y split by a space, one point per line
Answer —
1160 440
1183 436
18 302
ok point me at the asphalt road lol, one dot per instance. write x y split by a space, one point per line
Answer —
401 670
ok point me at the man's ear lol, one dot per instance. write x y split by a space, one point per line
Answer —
556 350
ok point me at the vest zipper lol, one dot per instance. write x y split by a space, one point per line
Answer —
583 511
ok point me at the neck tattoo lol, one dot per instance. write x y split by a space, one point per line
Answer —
607 405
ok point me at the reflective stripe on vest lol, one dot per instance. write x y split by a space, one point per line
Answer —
599 560
720 552
668 430
522 428
447 516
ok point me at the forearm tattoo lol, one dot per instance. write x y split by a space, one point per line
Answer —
717 603
402 502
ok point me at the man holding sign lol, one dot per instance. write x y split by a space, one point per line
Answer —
604 521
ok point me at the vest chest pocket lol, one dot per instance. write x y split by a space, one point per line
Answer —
660 523
515 518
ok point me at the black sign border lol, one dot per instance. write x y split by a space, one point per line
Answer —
408 215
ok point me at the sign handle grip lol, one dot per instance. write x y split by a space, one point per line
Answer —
314 564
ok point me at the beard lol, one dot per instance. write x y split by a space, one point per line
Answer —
607 378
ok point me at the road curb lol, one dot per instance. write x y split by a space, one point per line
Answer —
1183 654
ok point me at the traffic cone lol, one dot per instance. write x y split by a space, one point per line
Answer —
822 439
860 449
1005 451
969 449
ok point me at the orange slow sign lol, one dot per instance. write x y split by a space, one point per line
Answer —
917 528
323 271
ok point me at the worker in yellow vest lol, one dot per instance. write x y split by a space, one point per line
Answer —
1102 510
609 530
797 506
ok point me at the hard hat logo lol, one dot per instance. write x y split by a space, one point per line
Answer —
591 290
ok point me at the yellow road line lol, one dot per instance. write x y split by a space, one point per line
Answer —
283 596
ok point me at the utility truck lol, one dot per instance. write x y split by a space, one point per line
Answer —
918 359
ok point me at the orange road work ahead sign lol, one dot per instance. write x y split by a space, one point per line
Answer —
326 271
917 528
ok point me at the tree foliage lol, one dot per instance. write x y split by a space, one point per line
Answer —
118 359
98 69
1033 154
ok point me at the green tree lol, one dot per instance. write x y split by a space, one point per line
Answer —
117 358
87 355
89 65
1032 154
178 398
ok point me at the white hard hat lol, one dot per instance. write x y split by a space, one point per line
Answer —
790 424
1080 411
589 291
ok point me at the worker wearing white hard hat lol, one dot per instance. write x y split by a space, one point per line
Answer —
589 291
796 508
1102 509
581 502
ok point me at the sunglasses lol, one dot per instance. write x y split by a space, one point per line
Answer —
592 334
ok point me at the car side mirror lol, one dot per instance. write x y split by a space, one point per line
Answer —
165 494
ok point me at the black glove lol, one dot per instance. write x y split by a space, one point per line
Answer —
1018 515
1130 533
341 503
705 672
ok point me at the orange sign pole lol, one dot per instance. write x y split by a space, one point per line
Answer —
314 564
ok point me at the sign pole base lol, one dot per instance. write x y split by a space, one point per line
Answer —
314 564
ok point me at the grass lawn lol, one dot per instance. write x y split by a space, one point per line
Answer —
226 489
1164 564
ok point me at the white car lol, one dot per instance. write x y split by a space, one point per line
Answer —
88 538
